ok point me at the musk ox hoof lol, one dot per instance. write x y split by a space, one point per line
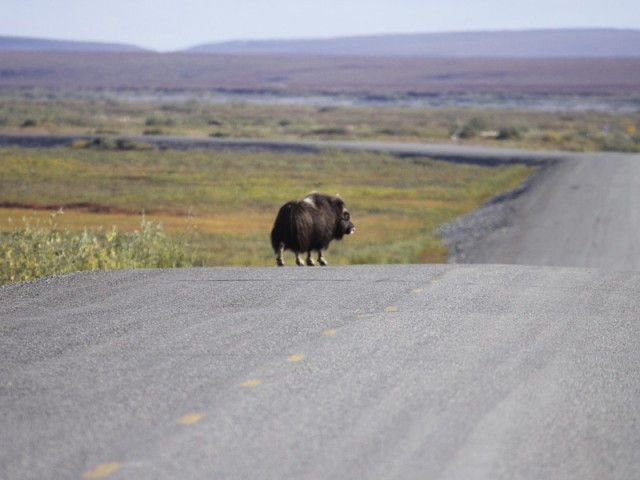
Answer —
279 262
323 262
310 262
299 262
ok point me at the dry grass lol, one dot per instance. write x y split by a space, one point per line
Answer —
37 248
226 201
579 131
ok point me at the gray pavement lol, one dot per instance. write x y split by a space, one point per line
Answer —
582 212
449 152
449 372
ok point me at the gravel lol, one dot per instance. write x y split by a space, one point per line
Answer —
460 235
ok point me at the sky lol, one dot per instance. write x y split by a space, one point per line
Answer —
168 25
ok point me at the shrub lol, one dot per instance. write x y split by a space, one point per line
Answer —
42 249
29 122
510 133
160 121
469 129
153 131
329 131
111 143
620 142
549 136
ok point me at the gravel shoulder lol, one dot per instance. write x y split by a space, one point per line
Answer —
579 211
465 233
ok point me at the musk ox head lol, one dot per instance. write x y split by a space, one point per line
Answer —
334 203
310 225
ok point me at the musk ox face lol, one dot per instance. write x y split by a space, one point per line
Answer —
310 225
346 227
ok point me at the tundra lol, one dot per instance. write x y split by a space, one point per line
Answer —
309 225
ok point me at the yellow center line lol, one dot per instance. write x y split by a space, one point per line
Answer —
391 308
190 418
252 382
416 290
102 470
296 357
329 332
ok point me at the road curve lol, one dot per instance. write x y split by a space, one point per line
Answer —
579 212
371 372
449 152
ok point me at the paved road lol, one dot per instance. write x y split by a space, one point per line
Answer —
448 372
582 212
454 153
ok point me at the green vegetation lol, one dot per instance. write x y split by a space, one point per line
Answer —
44 248
224 203
217 208
576 131
473 127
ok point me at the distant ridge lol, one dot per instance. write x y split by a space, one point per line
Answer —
27 44
569 43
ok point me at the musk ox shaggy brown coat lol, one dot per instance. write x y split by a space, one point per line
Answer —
309 225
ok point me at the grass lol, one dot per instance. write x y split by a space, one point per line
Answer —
217 208
576 131
224 203
42 248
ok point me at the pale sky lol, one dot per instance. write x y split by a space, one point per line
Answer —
167 25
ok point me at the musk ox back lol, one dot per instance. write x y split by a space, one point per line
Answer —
309 225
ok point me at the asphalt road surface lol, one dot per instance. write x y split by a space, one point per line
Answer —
582 212
453 153
361 372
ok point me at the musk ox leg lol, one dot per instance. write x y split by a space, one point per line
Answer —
310 261
321 259
299 260
279 260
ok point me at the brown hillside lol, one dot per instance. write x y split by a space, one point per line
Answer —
307 74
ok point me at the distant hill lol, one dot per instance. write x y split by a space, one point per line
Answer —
25 44
305 74
570 43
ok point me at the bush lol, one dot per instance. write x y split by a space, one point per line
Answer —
29 122
43 249
329 131
469 129
160 121
549 136
621 142
510 133
153 131
111 143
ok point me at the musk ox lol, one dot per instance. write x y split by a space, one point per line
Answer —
309 225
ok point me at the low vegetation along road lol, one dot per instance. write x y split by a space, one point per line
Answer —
389 371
